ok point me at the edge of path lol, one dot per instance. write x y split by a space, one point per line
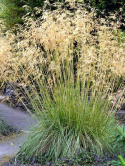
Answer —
20 120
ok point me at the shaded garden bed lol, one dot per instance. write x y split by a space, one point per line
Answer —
85 159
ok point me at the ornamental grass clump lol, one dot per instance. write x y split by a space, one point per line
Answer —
76 73
70 120
69 63
63 31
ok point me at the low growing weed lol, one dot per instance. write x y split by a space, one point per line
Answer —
3 128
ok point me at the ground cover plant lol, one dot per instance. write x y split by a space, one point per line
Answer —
69 63
4 130
86 159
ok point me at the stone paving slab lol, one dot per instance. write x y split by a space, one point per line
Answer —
10 146
20 120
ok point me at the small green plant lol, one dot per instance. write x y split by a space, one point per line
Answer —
117 162
120 137
3 128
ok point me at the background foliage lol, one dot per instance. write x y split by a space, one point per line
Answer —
107 5
12 10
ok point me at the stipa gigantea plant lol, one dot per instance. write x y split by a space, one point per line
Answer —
5 55
68 63
58 30
72 109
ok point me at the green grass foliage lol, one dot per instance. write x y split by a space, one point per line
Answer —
70 119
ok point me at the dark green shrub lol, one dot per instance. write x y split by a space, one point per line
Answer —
11 12
109 5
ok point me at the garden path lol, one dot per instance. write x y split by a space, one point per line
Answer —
19 120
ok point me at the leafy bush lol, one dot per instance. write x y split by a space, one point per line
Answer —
11 12
120 137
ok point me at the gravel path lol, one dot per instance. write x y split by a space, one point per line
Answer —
19 120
